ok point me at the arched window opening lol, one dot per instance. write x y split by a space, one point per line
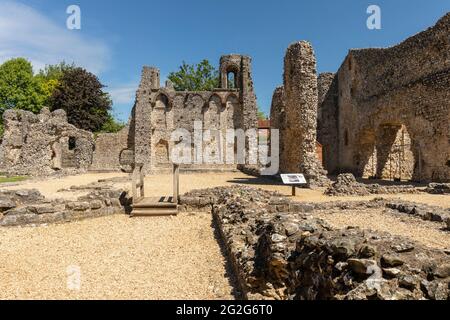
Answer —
72 143
231 80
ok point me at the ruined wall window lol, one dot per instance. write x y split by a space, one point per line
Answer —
162 152
72 143
346 138
231 80
350 64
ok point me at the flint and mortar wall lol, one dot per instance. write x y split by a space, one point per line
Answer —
43 144
403 86
294 110
160 111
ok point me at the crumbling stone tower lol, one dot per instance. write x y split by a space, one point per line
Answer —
299 127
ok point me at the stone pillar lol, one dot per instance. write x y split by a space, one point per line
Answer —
301 99
278 119
142 116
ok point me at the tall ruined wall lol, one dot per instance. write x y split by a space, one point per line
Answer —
324 81
278 119
161 110
301 99
43 144
327 121
406 85
142 116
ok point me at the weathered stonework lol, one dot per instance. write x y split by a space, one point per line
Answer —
116 144
387 112
279 250
43 144
29 207
159 111
299 97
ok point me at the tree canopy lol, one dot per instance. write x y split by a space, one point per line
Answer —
81 95
195 77
19 88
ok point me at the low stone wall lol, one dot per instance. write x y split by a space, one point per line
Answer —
346 185
280 251
29 207
438 188
425 212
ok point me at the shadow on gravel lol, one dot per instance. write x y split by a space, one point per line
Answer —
230 273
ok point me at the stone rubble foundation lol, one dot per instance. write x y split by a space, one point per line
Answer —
347 185
279 250
29 207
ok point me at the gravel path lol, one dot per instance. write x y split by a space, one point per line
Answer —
161 184
118 257
426 232
157 258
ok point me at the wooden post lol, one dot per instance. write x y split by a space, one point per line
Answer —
134 185
176 183
293 190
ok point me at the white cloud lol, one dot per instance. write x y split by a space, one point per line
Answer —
25 32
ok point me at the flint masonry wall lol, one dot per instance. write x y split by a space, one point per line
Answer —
300 99
43 144
278 119
381 92
158 111
107 144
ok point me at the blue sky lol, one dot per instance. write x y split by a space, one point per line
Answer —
119 37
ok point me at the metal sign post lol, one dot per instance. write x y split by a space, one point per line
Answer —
293 180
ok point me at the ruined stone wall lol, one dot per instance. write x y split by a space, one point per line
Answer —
43 144
301 100
405 86
160 111
327 120
280 250
278 119
324 82
113 151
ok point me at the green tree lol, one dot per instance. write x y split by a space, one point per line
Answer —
112 125
195 77
261 114
55 71
50 78
81 95
19 88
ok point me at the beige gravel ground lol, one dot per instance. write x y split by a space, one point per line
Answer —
50 186
159 185
162 185
119 258
156 258
426 232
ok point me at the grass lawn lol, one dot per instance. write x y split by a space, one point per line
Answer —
12 179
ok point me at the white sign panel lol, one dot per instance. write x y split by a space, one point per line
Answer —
293 178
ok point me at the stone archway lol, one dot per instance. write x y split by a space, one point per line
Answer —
394 153
387 152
